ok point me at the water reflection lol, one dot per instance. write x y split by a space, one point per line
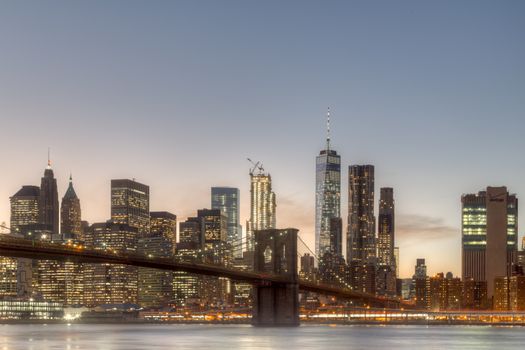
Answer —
131 337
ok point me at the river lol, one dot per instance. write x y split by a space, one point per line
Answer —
160 337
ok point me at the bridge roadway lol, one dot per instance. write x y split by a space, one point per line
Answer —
24 248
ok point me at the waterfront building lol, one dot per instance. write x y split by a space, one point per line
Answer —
489 235
189 249
8 277
327 197
262 205
155 287
421 284
17 274
48 201
214 290
111 283
33 310
70 218
444 292
517 293
474 294
501 293
130 204
60 281
227 200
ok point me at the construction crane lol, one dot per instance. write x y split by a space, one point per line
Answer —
256 166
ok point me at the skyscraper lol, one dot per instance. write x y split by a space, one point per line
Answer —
361 240
227 200
262 204
386 223
156 286
25 215
111 283
130 204
327 196
49 209
25 208
489 235
70 218
165 224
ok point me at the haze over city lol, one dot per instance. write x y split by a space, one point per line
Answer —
178 95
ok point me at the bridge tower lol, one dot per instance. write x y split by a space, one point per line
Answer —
276 304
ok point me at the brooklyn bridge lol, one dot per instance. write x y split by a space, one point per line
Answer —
274 275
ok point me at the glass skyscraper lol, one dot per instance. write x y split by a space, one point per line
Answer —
227 200
327 199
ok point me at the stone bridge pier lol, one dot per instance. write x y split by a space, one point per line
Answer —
276 304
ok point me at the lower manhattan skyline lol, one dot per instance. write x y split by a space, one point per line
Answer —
434 101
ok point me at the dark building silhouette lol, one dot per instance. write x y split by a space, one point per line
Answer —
70 215
361 239
49 209
386 274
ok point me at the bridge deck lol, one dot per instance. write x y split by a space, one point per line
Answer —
24 248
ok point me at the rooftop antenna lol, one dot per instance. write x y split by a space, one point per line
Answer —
328 129
49 157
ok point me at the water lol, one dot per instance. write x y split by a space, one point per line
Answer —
160 337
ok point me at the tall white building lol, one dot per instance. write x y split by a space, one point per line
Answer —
262 204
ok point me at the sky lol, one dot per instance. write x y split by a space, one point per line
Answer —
177 94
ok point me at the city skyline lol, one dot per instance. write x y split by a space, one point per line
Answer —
439 116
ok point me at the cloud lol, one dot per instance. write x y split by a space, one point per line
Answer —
421 227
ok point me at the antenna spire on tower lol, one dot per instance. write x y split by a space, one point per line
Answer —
328 129
49 157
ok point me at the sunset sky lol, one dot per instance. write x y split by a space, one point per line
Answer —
177 94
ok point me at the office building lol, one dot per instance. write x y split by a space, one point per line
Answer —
155 287
130 204
70 218
189 249
111 283
327 197
227 200
386 228
24 208
49 209
387 268
165 224
361 239
489 235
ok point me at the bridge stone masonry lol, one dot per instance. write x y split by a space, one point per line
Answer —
276 304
